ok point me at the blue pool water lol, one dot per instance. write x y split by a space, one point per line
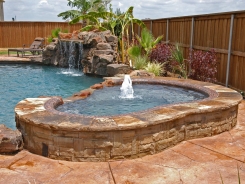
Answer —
18 82
107 101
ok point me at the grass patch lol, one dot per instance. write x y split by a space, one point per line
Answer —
3 52
12 53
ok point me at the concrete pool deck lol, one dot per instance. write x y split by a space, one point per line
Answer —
195 161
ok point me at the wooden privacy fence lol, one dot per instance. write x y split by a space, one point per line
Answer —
15 34
222 31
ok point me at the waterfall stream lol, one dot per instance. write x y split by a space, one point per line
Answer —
71 55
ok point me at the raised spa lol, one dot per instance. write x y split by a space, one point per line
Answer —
87 134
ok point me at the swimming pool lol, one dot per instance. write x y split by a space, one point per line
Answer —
20 81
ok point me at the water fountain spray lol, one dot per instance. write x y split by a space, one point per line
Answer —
127 88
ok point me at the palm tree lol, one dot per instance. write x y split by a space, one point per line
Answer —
147 40
126 20
95 21
83 7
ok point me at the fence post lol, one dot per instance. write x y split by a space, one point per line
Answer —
192 32
167 30
138 30
151 26
191 43
229 51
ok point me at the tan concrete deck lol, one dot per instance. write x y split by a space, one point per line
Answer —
196 161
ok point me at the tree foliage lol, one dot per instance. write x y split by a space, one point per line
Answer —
109 20
82 7
147 40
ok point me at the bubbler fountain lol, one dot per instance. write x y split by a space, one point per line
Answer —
127 88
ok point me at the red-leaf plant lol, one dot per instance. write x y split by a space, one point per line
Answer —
203 65
161 54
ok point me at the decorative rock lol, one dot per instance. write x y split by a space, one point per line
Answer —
104 46
111 38
109 83
85 94
82 35
54 41
141 73
51 47
65 35
114 69
97 86
87 37
106 52
94 41
106 58
99 64
10 140
75 35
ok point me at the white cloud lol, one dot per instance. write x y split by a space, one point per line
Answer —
43 2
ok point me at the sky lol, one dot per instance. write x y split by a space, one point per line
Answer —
47 10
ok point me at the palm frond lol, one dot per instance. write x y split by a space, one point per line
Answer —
139 22
69 14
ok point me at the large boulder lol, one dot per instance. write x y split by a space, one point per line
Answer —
65 35
99 64
106 52
103 46
115 69
111 38
88 37
10 140
50 52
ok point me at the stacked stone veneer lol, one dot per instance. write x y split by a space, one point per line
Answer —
70 137
92 50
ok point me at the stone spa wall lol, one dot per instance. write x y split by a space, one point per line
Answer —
64 136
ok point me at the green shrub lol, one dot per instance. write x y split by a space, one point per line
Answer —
156 68
55 34
134 52
147 40
140 62
178 61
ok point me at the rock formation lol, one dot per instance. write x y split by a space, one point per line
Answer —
91 50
